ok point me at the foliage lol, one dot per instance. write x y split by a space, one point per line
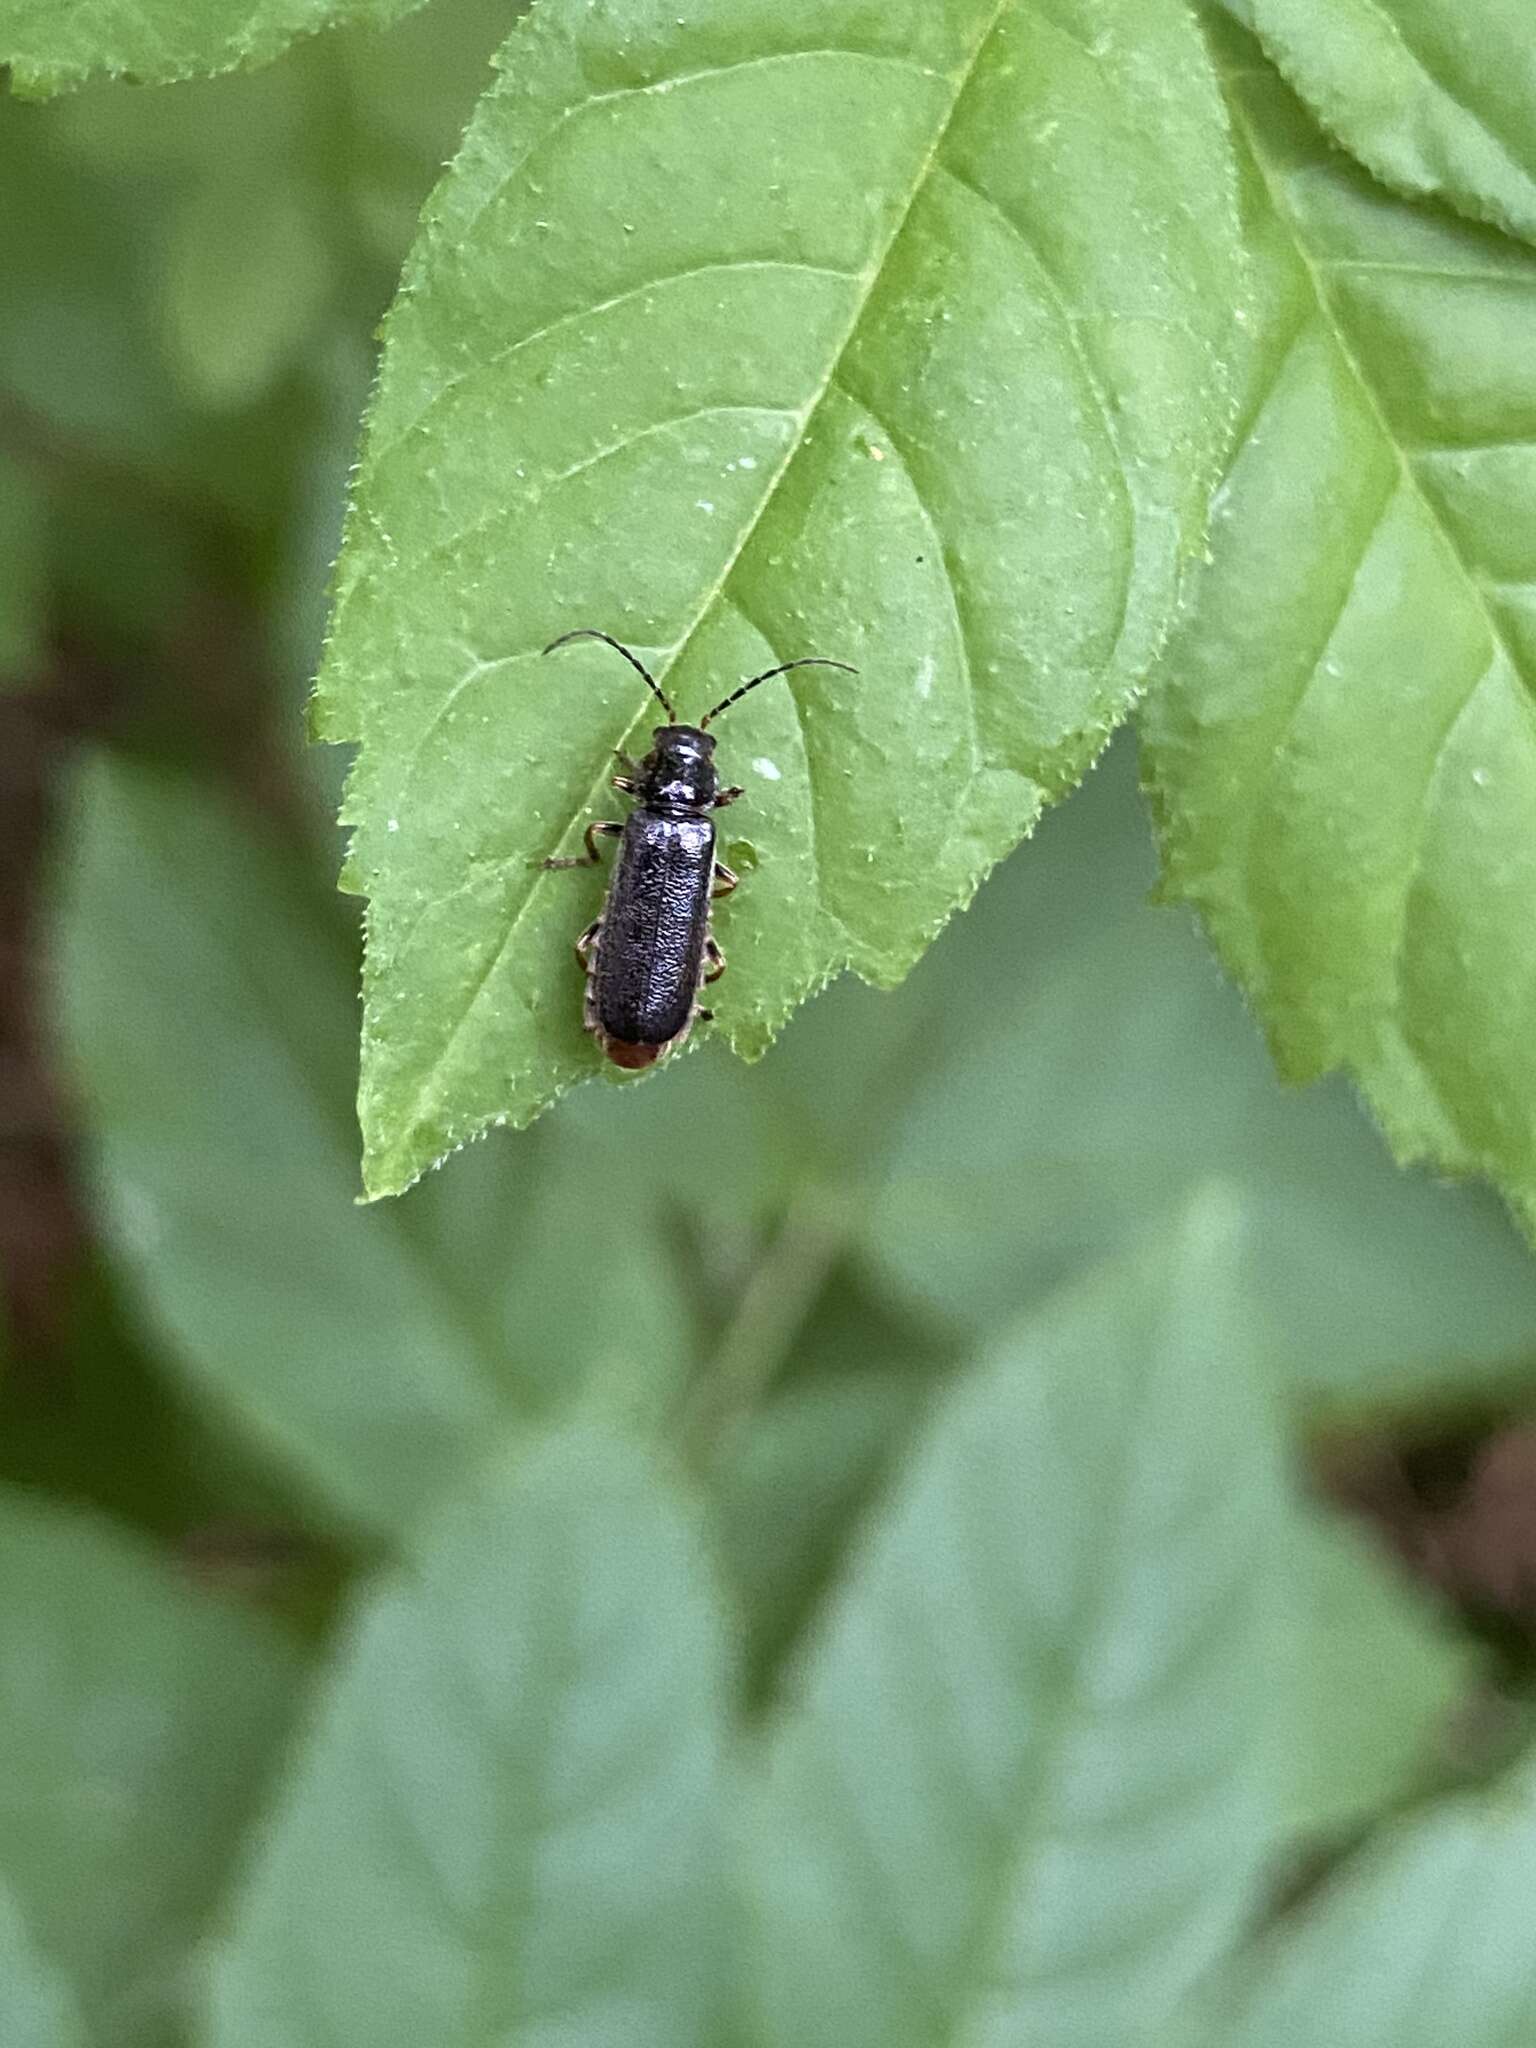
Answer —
50 47
1430 100
817 1551
905 383
1344 752
137 1719
555 1640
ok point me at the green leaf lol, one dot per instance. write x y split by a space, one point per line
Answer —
1028 1789
137 1718
789 1491
1078 1067
36 2009
1379 1672
507 1823
761 329
1425 1940
75 350
1342 742
1436 101
197 983
246 277
52 45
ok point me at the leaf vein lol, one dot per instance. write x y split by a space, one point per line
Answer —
942 552
1313 669
734 599
660 85
452 542
599 306
1093 383
1432 273
1411 481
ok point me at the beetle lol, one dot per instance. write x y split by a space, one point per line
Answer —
651 951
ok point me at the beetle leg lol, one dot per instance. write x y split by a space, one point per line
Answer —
625 784
716 961
728 796
725 880
585 944
605 829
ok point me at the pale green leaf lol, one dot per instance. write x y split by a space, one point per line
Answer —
1027 1790
1342 744
759 329
36 2007
206 995
137 1718
196 986
1438 98
246 276
1379 1671
52 45
507 1824
1423 1942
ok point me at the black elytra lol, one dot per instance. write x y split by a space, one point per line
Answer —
652 950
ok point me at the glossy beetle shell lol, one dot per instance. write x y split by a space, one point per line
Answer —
648 953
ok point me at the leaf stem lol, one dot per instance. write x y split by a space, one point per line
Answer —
770 1312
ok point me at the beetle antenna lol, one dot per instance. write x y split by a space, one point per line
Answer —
767 676
591 633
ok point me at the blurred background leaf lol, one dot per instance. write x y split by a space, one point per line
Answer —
36 2009
1050 1674
139 1716
246 278
1423 1940
515 1781
1379 1673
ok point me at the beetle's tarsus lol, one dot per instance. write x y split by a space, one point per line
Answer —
605 829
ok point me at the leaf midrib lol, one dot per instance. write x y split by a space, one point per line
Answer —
428 1093
1337 329
1017 1876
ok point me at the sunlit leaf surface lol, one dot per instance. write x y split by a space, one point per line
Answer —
744 332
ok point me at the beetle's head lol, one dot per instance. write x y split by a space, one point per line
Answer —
679 771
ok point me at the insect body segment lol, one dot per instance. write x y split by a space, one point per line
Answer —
651 951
